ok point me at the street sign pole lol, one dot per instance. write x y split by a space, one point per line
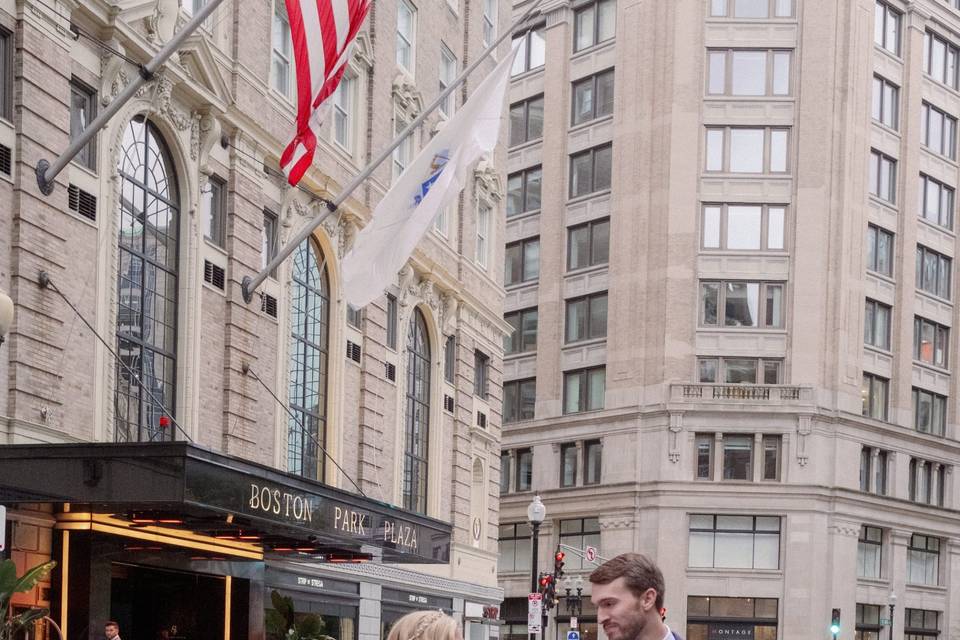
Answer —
534 612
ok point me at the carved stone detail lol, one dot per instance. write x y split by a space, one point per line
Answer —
113 75
160 25
676 426
616 522
488 179
803 430
208 130
407 95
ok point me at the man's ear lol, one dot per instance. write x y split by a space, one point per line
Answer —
649 599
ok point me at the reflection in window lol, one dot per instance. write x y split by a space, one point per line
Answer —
738 457
514 547
940 59
741 304
716 617
594 23
532 51
147 281
734 542
519 399
588 244
739 370
739 72
751 8
417 419
737 227
933 272
309 344
869 548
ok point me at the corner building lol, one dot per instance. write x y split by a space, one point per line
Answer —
729 269
182 482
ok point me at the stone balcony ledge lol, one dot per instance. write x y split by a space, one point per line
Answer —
766 394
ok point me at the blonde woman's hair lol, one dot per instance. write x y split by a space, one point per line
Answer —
425 625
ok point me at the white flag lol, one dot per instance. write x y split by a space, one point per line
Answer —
429 184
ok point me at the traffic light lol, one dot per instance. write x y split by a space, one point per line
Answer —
548 587
558 563
835 622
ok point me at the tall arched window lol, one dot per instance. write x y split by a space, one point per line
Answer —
309 342
417 431
146 287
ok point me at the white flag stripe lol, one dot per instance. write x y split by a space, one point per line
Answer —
311 27
341 18
384 245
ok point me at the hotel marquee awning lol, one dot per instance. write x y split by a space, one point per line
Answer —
184 486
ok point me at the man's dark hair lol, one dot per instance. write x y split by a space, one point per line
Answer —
111 623
638 572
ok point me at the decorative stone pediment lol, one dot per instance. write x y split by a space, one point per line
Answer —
363 50
161 23
406 94
197 60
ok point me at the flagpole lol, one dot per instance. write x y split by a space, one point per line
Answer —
47 173
250 285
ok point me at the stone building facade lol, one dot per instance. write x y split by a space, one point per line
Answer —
730 238
150 230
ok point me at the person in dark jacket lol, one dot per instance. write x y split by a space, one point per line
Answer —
628 593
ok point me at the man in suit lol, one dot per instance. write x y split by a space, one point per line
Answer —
628 593
111 630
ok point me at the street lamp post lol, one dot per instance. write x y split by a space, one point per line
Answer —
574 602
893 605
536 513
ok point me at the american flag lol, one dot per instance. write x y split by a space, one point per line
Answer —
322 32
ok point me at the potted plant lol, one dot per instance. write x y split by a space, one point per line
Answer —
10 584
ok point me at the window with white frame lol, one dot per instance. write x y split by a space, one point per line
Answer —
448 73
281 56
751 8
936 202
592 97
874 392
743 227
526 121
6 74
734 542
213 209
191 7
441 222
583 390
941 59
741 304
521 261
879 251
931 342
588 244
450 359
923 560
590 170
532 50
886 102
483 234
886 28
594 23
929 412
934 272
83 109
392 321
344 99
728 370
869 552
883 176
876 325
406 35
403 153
489 21
938 131
746 150
268 240
748 72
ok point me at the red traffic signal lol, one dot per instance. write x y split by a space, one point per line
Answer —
560 556
558 563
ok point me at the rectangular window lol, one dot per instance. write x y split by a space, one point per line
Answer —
869 548
886 102
83 109
505 461
929 412
771 457
481 371
526 121
940 59
886 28
448 73
355 316
592 454
523 338
876 325
514 548
868 625
934 272
588 244
406 35
743 227
748 72
403 153
6 74
268 241
594 23
489 21
391 322
483 234
741 304
579 533
866 461
734 542
874 393
568 465
213 207
524 469
519 398
583 390
450 359
281 53
590 170
704 452
343 100
931 342
883 176
921 624
879 251
936 202
523 191
737 457
938 131
746 150
751 8
532 51
521 261
441 223
587 318
923 560
592 97
739 370
880 473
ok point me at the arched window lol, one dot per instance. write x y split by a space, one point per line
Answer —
309 343
417 431
146 287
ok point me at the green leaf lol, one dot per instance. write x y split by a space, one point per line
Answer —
30 579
